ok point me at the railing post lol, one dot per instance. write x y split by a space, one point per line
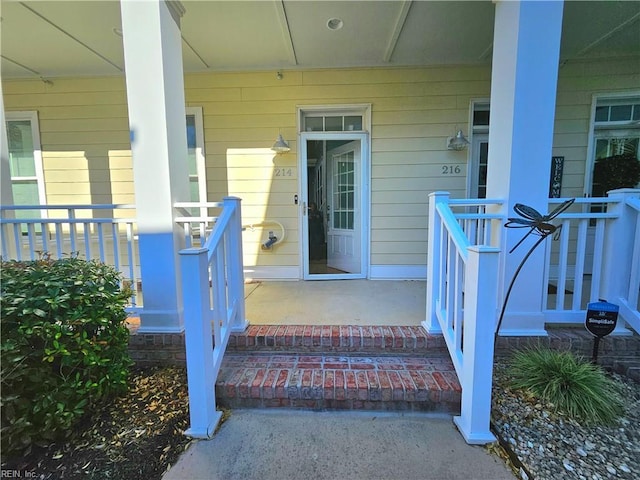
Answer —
236 269
199 343
617 261
481 275
431 323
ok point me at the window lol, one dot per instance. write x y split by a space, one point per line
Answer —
334 122
344 191
616 138
196 155
25 161
479 155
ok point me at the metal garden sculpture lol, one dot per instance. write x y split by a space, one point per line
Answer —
537 224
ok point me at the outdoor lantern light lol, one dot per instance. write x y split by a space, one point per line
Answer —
280 146
459 142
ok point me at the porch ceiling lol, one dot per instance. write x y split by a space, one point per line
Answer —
68 38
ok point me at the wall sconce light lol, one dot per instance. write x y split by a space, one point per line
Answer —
280 146
459 142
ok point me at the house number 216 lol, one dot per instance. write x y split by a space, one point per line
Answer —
451 169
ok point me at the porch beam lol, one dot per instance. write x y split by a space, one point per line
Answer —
526 52
155 96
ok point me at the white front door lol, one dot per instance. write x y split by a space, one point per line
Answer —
344 207
333 205
479 161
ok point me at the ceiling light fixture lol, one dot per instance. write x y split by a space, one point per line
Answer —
459 142
280 146
334 24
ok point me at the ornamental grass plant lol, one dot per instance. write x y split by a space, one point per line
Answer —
571 385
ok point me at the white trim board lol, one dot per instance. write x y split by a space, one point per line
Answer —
398 272
261 272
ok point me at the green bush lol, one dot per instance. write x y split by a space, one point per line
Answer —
617 171
63 348
573 386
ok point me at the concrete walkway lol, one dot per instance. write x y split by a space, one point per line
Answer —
336 302
305 445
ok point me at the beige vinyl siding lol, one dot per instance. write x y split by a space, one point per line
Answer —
86 149
267 200
577 84
413 112
84 133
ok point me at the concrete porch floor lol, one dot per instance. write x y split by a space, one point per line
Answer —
336 302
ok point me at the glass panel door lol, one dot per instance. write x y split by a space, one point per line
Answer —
333 209
343 236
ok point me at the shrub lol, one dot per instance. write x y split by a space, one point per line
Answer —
64 345
617 171
572 385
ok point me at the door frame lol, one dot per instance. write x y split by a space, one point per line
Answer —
365 197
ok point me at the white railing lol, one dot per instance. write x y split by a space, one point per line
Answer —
595 256
29 231
212 309
453 263
479 226
195 221
629 298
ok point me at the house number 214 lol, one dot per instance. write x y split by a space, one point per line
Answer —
451 169
283 172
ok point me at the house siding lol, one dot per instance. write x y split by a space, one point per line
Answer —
86 151
578 82
84 135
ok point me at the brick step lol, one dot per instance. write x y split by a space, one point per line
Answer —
338 382
380 340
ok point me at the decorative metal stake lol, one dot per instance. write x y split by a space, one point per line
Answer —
538 224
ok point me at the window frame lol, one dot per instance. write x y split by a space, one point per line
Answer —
32 117
201 169
596 128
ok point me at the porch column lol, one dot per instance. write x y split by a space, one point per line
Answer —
526 50
6 188
155 97
6 197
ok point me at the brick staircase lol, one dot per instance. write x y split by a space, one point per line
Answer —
355 367
338 367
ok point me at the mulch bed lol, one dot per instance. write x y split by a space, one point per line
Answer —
140 435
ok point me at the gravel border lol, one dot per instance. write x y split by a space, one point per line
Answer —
548 446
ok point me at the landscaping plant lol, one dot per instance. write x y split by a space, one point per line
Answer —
63 346
572 385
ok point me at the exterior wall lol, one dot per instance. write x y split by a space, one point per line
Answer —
84 137
577 84
413 112
86 148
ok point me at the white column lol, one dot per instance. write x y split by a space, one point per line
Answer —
155 96
6 189
5 169
526 52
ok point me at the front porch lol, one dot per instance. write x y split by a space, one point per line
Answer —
361 344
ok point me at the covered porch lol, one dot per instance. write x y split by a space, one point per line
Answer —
190 268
